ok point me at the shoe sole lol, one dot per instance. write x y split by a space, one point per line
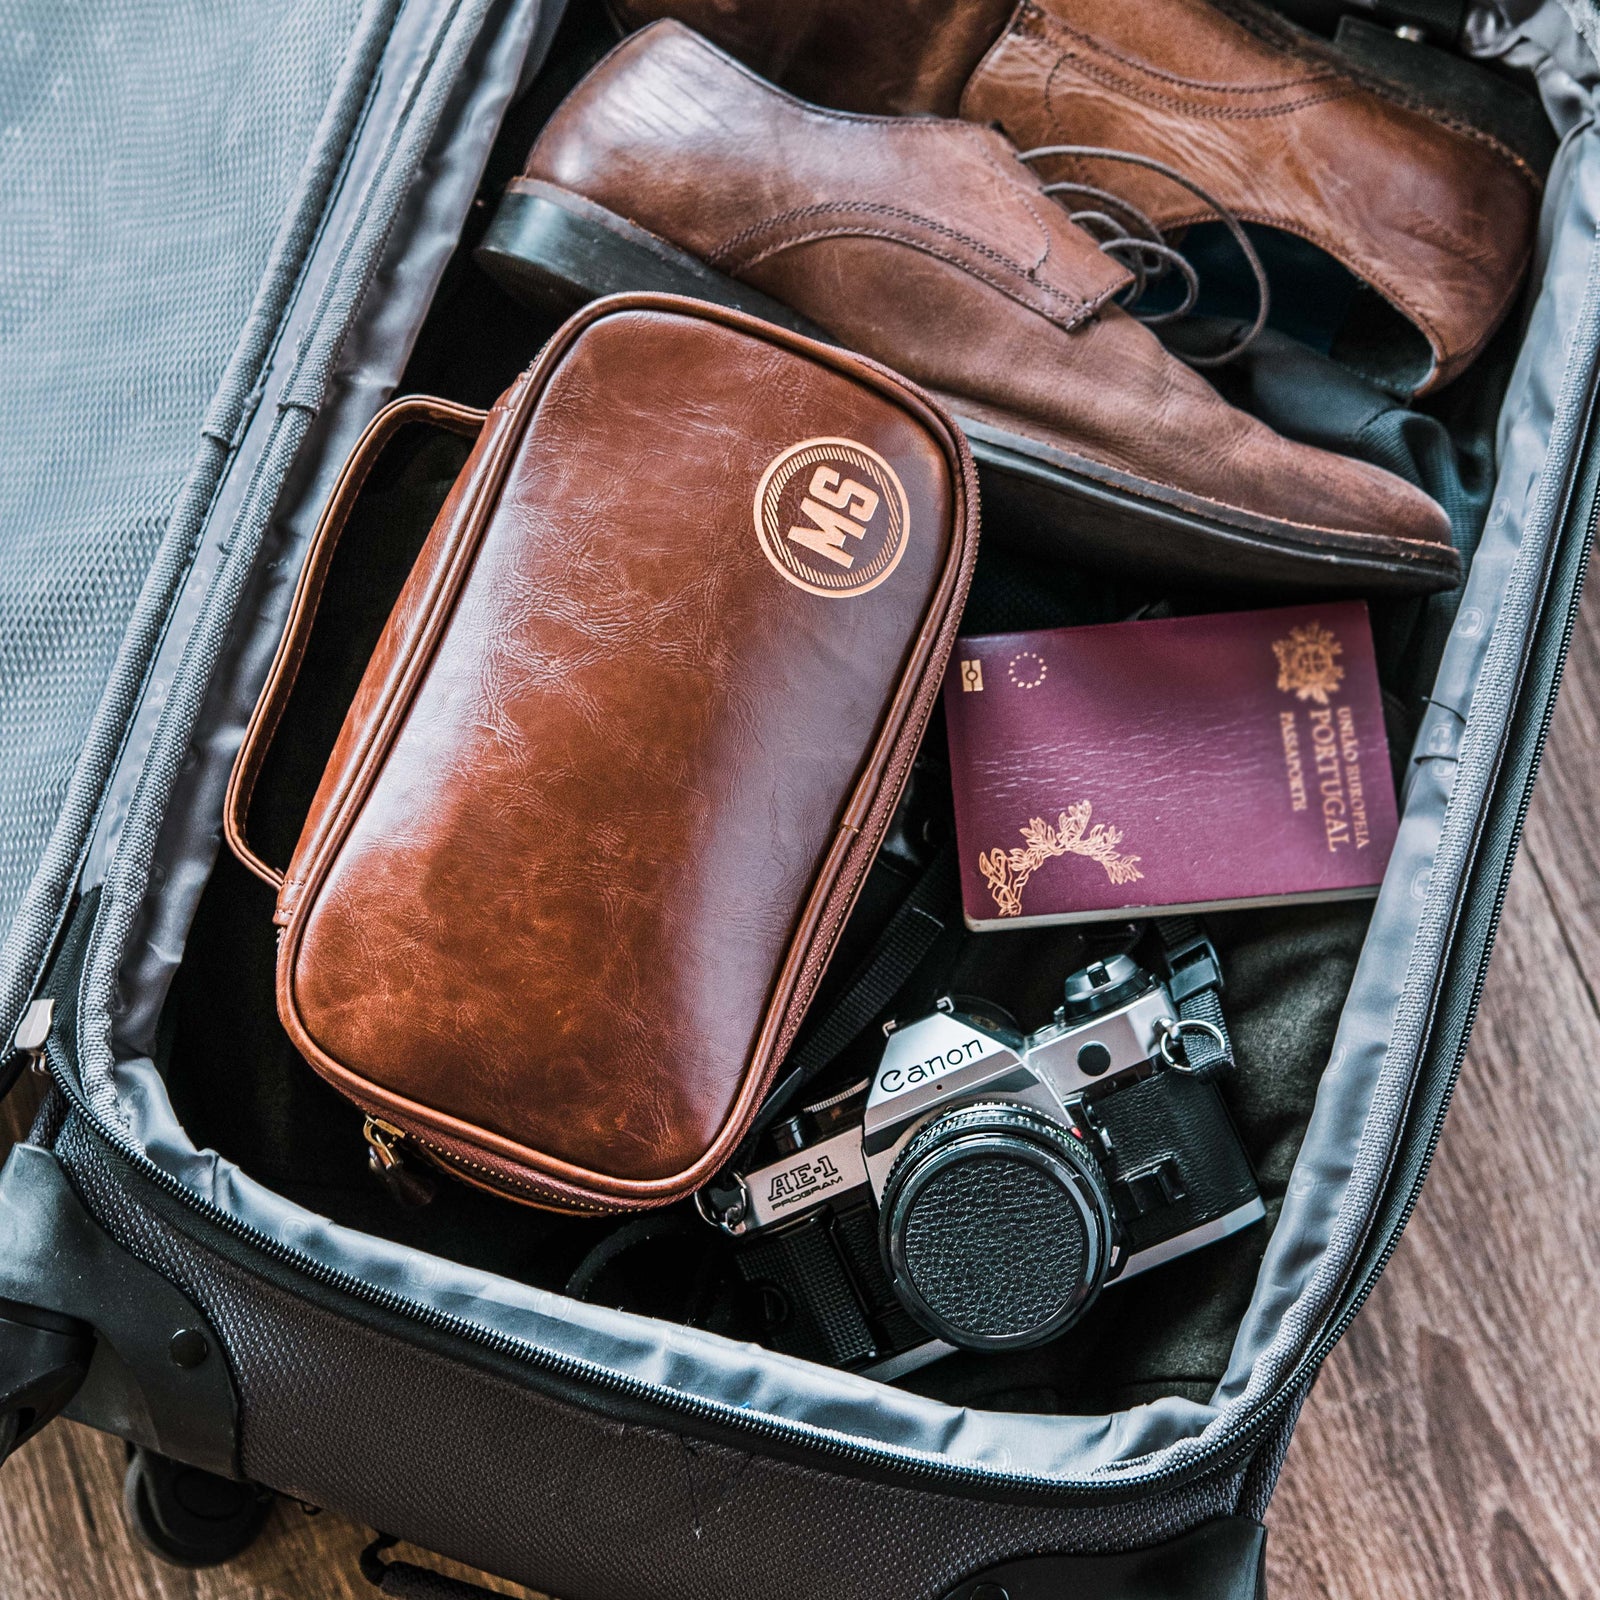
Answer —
557 250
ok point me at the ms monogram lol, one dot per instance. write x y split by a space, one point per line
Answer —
831 516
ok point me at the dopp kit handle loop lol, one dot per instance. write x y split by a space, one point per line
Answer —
291 650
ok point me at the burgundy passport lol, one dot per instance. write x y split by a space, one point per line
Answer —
1194 763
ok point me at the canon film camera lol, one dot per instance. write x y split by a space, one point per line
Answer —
985 1186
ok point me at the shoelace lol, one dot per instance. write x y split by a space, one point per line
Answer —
1124 231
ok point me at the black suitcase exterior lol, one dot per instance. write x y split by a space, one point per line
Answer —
155 1291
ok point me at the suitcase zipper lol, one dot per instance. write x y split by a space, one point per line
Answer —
1341 1324
1233 1444
827 1443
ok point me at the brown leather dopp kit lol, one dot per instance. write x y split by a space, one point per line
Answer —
625 751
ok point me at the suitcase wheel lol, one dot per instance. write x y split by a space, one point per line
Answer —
188 1517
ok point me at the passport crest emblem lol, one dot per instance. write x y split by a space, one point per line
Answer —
832 517
1308 667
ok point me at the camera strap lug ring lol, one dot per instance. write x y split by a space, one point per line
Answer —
1172 1030
734 1216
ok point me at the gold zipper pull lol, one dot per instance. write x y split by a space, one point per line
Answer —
381 1137
406 1186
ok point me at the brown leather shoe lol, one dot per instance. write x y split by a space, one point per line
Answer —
1432 214
879 56
1436 218
928 245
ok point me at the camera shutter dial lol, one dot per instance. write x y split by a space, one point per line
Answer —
996 1226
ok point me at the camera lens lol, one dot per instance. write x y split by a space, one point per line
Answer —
996 1226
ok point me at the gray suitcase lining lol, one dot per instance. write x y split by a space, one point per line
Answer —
158 841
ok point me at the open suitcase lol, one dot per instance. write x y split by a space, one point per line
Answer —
192 1256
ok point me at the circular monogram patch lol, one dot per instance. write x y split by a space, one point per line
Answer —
832 516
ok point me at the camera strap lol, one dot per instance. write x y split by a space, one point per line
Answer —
1194 979
894 955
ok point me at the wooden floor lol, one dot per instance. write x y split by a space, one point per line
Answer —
1452 1446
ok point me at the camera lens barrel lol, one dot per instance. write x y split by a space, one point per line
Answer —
996 1226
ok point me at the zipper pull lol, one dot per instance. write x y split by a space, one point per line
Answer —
28 1043
406 1186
